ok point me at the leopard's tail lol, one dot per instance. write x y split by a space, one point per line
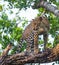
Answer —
19 46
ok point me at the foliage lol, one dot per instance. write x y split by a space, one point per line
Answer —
0 8
27 3
9 32
56 39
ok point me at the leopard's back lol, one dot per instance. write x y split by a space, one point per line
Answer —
27 31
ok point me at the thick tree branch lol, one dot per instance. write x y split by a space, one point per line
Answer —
4 54
48 6
21 58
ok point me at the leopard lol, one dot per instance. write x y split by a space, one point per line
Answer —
38 26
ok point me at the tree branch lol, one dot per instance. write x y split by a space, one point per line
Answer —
4 54
48 6
21 58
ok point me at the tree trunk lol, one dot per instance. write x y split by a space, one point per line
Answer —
48 6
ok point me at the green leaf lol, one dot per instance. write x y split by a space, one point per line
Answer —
1 8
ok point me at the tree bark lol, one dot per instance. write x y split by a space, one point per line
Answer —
22 58
4 54
48 6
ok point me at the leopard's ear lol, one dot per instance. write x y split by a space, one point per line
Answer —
40 18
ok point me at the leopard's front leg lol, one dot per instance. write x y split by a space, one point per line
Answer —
36 50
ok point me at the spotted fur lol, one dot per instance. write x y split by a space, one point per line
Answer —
38 26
